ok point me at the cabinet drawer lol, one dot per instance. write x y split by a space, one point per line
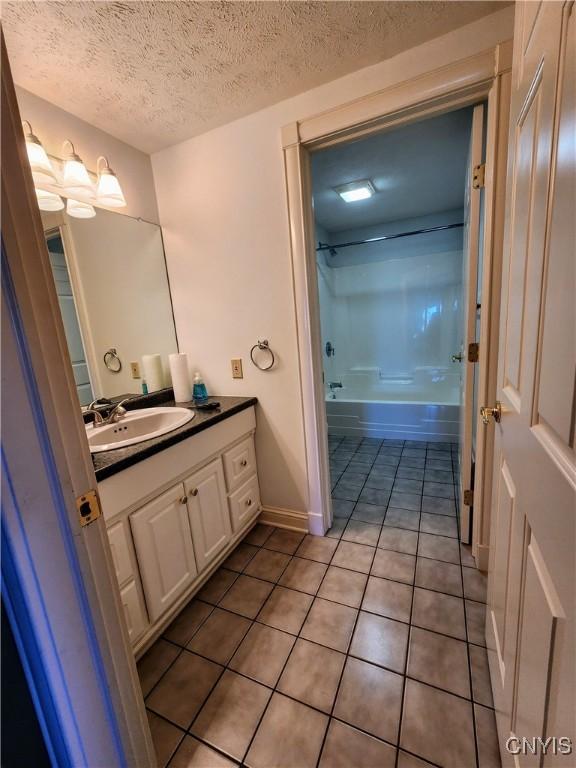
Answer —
118 537
245 503
136 619
239 463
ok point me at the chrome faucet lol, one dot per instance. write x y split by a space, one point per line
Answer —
116 413
335 385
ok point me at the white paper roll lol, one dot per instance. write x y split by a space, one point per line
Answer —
152 368
180 377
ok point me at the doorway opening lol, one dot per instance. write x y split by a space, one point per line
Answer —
397 219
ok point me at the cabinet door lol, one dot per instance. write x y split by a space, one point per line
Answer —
208 511
163 542
134 612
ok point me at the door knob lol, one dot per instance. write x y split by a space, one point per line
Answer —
194 492
456 358
488 413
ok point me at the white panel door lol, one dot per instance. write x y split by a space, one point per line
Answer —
208 511
531 596
470 262
163 542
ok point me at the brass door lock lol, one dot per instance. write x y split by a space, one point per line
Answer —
488 413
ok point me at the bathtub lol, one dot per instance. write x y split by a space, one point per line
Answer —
422 405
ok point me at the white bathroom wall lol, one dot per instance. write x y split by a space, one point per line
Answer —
53 125
223 210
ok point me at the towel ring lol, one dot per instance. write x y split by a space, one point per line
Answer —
112 361
264 345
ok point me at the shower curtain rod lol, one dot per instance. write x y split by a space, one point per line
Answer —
326 247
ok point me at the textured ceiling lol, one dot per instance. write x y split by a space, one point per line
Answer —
156 73
416 170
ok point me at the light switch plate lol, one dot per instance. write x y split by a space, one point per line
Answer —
135 368
237 368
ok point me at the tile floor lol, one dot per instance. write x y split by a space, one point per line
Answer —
362 649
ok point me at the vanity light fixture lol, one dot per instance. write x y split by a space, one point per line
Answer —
356 190
49 201
109 191
42 170
75 178
79 210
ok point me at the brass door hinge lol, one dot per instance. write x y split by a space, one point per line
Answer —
88 507
473 352
469 498
478 176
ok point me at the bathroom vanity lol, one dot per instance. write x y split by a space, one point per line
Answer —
175 507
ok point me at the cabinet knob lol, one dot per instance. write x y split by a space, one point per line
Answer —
248 502
183 500
194 492
243 463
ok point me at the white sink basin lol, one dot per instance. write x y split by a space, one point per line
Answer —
135 427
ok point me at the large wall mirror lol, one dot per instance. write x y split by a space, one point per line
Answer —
112 285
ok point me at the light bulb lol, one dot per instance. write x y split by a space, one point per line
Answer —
48 201
42 170
75 178
79 210
109 191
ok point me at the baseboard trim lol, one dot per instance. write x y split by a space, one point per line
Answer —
483 557
290 519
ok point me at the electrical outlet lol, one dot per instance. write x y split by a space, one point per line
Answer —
135 368
237 368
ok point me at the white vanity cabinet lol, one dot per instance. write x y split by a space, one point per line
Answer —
174 517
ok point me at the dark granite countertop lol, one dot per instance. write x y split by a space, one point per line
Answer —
108 463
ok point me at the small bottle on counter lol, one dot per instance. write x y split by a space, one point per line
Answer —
200 393
144 387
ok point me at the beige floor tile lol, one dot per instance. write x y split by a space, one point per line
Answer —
290 736
402 518
368 511
438 548
284 541
259 535
355 557
303 575
217 586
440 576
343 586
267 565
262 654
409 761
154 663
231 715
182 690
369 698
439 525
240 557
487 738
187 622
388 598
438 726
312 675
346 747
481 685
193 754
381 641
317 548
329 624
337 529
219 636
439 660
361 533
475 583
399 540
476 622
394 565
466 555
285 609
438 612
246 596
165 738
